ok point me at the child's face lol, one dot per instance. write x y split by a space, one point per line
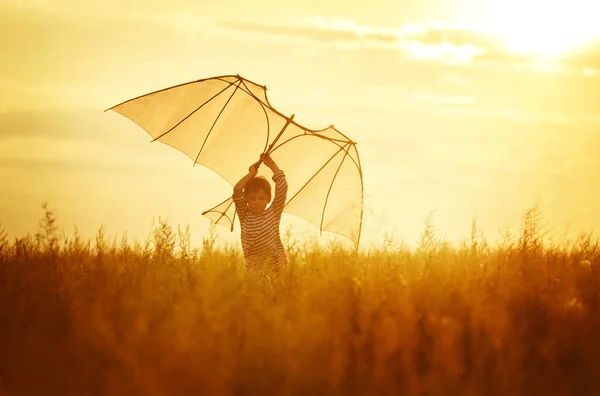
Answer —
257 200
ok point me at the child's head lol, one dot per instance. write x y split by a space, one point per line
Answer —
257 193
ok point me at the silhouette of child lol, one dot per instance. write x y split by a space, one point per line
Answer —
261 240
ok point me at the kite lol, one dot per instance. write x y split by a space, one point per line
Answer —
224 123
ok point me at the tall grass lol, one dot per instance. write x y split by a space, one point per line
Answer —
115 317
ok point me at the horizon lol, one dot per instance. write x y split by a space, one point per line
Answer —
453 112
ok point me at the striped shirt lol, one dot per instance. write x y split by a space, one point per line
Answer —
261 240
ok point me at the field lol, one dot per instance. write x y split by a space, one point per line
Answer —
113 317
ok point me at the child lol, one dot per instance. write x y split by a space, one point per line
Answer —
261 241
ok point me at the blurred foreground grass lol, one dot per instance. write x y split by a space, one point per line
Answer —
91 317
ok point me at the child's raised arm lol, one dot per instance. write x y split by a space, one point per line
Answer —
280 184
238 191
281 187
239 186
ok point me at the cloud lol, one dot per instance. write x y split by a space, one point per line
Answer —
319 31
587 63
412 41
99 49
75 43
407 42
304 35
458 37
84 66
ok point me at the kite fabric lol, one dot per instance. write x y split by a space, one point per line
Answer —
224 123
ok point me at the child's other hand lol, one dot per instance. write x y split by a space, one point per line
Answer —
253 170
267 160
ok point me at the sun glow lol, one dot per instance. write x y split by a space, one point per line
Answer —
542 28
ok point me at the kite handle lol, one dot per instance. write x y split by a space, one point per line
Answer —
288 122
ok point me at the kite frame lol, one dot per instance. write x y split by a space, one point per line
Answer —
239 80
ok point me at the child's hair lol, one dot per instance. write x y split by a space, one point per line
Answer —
258 183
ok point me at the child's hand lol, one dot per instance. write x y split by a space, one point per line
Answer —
268 161
253 170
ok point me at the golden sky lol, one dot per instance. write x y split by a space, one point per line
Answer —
470 108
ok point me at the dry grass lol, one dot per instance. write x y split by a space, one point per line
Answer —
97 318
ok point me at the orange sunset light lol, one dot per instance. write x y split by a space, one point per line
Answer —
427 221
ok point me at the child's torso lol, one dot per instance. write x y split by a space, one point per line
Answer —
260 232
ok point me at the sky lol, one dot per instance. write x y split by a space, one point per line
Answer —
460 108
